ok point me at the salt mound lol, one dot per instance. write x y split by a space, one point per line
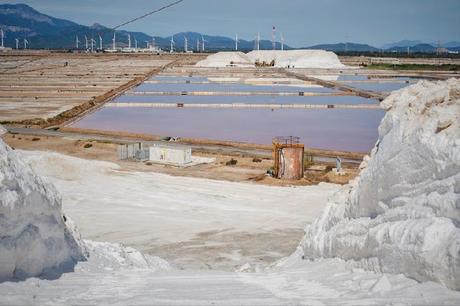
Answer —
225 59
297 58
35 239
401 215
283 59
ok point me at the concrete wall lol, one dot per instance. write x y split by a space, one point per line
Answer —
169 154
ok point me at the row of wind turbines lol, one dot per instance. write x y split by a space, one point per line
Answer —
25 42
90 43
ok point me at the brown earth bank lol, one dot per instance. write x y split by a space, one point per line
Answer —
246 169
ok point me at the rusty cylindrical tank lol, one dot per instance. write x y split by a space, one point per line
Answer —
288 155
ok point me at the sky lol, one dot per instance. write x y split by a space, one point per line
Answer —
302 22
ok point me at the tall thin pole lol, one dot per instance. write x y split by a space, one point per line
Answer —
113 41
282 41
1 32
17 43
100 42
129 41
273 38
236 42
25 43
77 42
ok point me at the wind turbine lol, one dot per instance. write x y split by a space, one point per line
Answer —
25 43
135 43
202 43
147 44
236 42
129 41
197 45
100 42
2 34
282 41
17 43
93 42
113 41
171 49
274 38
185 44
257 42
77 42
86 43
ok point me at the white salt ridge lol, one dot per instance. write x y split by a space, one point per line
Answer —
297 58
225 59
401 214
34 237
283 59
37 240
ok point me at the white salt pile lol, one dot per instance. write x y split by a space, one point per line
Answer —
282 59
35 239
401 215
297 58
226 59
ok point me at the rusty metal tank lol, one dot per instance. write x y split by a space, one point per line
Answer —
288 155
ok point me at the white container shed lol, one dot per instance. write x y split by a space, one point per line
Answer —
172 154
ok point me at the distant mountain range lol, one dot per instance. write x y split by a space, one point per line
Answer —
20 21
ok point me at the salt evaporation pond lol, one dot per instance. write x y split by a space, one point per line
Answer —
232 87
335 129
323 99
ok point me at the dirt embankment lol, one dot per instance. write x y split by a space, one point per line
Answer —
246 169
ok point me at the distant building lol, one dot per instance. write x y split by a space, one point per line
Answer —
170 154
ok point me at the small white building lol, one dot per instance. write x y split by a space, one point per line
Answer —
172 154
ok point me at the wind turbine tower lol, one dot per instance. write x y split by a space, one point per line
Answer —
185 44
25 43
236 42
100 42
274 38
257 46
135 43
202 43
2 34
197 45
17 43
86 43
113 41
282 41
77 42
129 41
93 42
171 48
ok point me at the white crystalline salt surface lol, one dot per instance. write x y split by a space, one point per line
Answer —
297 58
283 59
224 59
34 238
401 215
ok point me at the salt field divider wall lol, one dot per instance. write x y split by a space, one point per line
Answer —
241 105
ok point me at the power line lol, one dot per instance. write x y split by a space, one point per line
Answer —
148 14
